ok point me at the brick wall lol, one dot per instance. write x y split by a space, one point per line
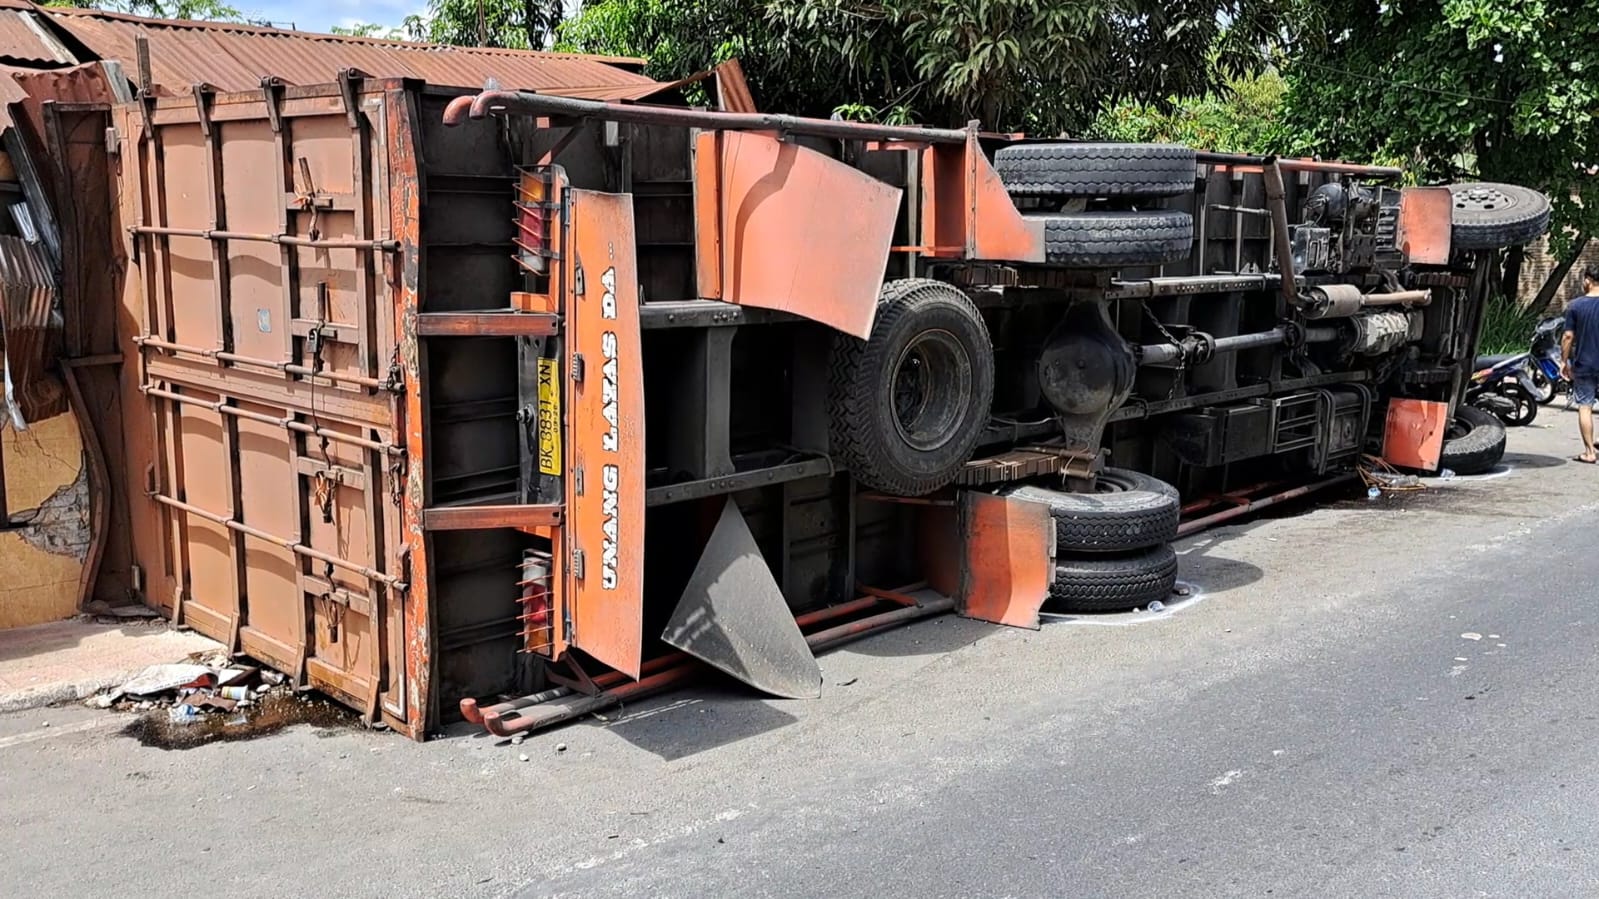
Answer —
1537 265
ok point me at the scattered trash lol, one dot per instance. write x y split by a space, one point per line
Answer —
1156 605
1493 636
846 683
158 679
183 714
101 609
517 740
1471 635
45 724
1446 474
237 694
1183 590
560 747
1373 493
524 757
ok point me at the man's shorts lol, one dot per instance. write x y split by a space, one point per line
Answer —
1582 388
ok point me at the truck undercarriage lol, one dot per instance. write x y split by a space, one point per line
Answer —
571 392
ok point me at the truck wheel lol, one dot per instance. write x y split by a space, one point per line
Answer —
1127 511
909 404
1111 239
1476 442
1492 216
1113 583
1097 170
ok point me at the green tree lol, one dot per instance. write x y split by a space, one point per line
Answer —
1039 65
516 24
1497 90
1242 116
370 29
200 10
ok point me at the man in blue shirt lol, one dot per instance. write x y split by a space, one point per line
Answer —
1580 350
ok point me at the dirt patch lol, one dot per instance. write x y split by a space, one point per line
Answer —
273 713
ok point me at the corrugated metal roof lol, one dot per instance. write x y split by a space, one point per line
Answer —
235 57
27 41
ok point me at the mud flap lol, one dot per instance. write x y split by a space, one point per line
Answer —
992 555
733 616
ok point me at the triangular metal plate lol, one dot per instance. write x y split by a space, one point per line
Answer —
733 616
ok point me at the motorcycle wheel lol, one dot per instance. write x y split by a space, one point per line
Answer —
1522 407
1543 389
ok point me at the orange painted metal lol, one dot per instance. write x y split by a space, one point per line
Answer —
966 211
605 437
1414 436
1006 567
797 231
1425 216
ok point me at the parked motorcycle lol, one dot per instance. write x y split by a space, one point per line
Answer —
1544 360
1503 386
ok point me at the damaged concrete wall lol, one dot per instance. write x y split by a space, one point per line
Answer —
42 556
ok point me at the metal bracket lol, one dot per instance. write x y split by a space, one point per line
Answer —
203 93
349 81
272 93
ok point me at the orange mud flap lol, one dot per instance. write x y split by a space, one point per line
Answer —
991 554
733 616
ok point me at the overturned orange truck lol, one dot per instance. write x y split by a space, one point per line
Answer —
509 406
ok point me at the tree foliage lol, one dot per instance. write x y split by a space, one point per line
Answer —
1497 90
1040 65
516 24
1244 115
198 10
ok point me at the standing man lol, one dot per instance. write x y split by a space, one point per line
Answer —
1579 349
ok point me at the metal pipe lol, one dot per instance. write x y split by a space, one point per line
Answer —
1277 202
285 423
522 103
1322 335
1398 298
296 548
1199 524
1301 165
332 377
281 239
521 719
1165 353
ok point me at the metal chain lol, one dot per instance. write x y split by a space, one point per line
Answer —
1182 360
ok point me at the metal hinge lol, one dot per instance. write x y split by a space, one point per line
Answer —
577 368
577 481
577 563
577 280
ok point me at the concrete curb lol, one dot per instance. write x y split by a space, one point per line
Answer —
55 694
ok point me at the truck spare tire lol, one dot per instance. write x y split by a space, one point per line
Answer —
1491 216
1113 583
908 405
1128 510
1475 442
1115 238
1097 170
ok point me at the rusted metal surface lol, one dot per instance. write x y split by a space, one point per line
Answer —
235 57
30 321
482 518
781 209
1194 526
1005 563
25 40
732 90
1413 435
1239 162
1282 242
605 451
1425 217
272 493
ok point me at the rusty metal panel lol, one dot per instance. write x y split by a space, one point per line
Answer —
263 384
234 57
605 477
1414 433
801 232
26 40
1006 568
1425 217
30 322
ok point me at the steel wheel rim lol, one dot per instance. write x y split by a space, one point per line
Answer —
930 379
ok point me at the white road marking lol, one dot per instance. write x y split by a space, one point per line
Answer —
46 733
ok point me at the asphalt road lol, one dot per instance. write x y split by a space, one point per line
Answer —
1392 698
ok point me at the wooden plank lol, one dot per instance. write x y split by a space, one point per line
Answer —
487 324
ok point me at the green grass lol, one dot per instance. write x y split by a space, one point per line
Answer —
1506 328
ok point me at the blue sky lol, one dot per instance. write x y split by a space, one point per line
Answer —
320 15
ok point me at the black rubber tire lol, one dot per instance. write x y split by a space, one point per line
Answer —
1480 443
1113 583
868 433
1526 405
1129 511
1491 216
1097 170
1111 239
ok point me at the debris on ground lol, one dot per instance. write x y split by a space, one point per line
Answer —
101 609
